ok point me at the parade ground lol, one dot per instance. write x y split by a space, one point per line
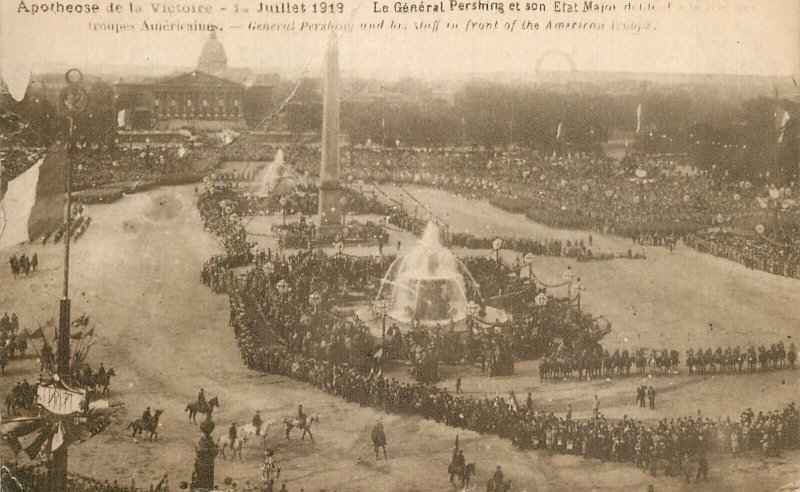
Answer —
136 272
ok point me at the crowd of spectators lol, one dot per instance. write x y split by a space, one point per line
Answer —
753 251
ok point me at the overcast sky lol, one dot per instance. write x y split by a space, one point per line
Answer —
760 37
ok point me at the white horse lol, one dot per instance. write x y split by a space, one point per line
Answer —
224 441
249 431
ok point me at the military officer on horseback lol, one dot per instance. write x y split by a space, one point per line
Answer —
201 399
232 432
146 416
301 416
257 422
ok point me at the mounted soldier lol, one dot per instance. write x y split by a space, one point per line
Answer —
147 416
201 399
257 422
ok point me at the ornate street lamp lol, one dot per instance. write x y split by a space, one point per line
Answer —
472 310
283 287
578 290
567 276
381 308
528 259
283 201
343 204
314 299
496 245
269 268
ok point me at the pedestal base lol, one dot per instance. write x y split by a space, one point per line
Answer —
330 213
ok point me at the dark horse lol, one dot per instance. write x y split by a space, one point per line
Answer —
464 473
104 382
151 426
205 408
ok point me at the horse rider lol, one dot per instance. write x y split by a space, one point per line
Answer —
101 373
146 417
87 375
498 478
201 399
301 416
232 432
257 422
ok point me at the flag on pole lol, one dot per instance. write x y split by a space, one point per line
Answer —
639 118
33 204
781 118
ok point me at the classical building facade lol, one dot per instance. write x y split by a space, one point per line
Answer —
205 98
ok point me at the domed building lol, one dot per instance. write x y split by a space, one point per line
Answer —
213 58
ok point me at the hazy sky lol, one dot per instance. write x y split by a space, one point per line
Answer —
759 37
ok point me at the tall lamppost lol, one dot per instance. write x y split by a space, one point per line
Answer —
578 291
472 310
314 299
496 245
528 259
269 268
381 307
567 276
283 201
74 101
343 205
283 288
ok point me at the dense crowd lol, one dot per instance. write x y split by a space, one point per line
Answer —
274 321
649 446
96 165
653 199
752 251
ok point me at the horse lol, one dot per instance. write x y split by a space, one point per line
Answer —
464 474
151 426
196 407
105 381
248 431
224 441
293 423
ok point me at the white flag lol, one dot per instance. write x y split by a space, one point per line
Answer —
639 118
58 437
781 118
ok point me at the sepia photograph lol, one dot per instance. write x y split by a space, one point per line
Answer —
457 245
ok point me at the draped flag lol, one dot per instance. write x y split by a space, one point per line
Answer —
639 118
33 203
122 118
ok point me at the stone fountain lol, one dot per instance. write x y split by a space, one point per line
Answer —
275 178
427 284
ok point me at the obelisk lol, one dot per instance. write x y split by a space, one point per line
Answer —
330 190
